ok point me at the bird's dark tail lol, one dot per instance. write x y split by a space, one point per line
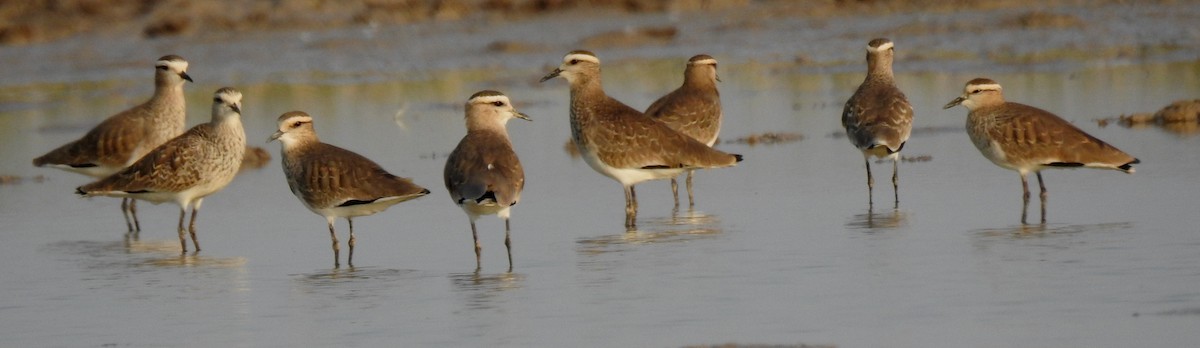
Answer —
1128 167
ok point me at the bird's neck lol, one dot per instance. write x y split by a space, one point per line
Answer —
699 85
486 124
299 143
165 86
879 69
229 123
585 91
168 107
699 79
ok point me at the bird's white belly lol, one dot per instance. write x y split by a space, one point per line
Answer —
627 176
98 172
475 210
358 209
993 152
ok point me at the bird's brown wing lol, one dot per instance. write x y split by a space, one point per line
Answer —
484 163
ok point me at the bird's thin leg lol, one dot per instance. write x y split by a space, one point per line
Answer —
350 258
633 194
508 244
1024 197
131 237
137 226
870 182
896 179
1044 195
691 199
192 226
478 247
630 207
628 201
182 232
333 237
125 213
675 190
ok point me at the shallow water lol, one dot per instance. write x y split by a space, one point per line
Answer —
781 249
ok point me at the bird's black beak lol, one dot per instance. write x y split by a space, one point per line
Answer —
954 102
551 75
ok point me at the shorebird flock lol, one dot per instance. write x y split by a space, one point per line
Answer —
144 153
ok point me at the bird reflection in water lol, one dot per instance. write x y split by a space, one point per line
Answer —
193 260
483 290
335 275
165 253
871 220
365 285
1041 230
135 245
688 225
349 274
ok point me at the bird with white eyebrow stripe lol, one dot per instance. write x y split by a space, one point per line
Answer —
878 118
483 174
620 142
1027 139
334 182
123 138
693 109
185 169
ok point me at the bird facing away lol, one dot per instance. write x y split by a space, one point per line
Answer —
483 174
693 109
334 182
185 169
1027 139
878 118
621 142
127 136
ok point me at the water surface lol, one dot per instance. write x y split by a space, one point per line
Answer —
782 249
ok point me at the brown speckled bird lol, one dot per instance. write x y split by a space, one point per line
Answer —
693 109
483 174
185 169
878 118
621 142
1027 139
334 182
127 136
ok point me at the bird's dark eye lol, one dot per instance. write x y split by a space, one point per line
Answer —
573 61
976 91
296 124
162 67
217 100
498 103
